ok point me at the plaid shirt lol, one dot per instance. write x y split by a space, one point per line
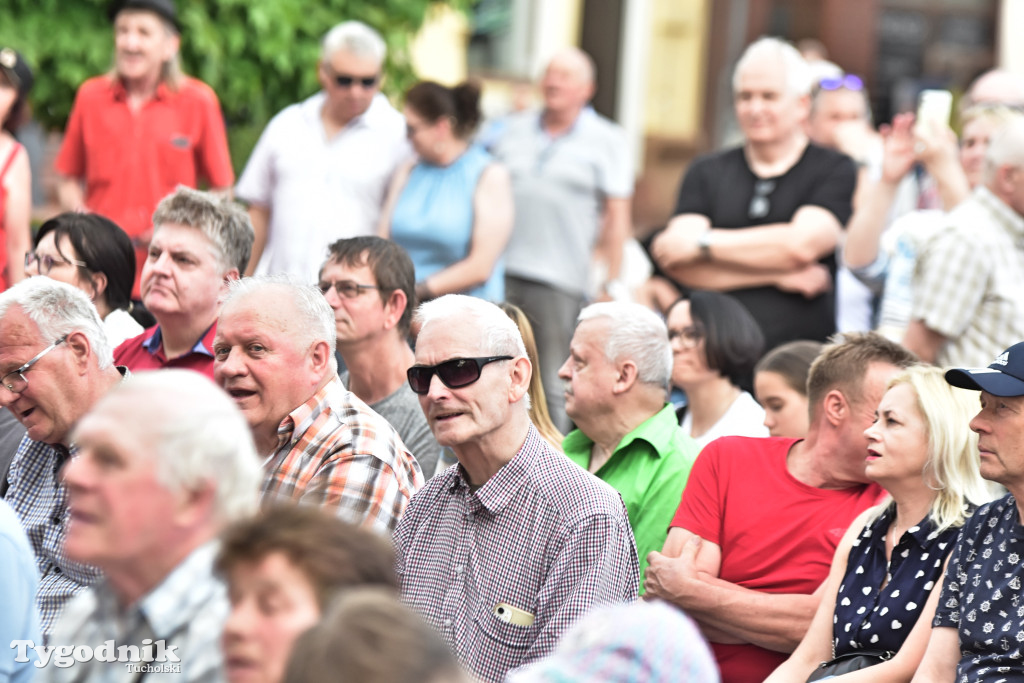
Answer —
969 279
186 610
335 452
41 501
542 540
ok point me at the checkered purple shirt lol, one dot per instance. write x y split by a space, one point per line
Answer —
542 536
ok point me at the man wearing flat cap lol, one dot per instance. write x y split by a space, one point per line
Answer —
141 130
978 630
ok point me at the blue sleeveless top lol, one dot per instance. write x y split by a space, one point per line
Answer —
867 618
433 218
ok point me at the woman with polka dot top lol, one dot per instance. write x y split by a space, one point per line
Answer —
886 576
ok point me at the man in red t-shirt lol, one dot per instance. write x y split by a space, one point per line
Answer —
137 133
760 519
200 242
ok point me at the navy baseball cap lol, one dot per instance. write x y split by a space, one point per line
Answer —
1003 377
165 9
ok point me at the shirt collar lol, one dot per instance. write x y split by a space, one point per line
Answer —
498 491
121 93
1013 221
659 430
170 606
154 342
922 533
295 423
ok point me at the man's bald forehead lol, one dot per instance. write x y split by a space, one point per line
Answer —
997 87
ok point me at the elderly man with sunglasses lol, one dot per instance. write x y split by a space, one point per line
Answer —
274 354
321 168
762 221
56 363
505 551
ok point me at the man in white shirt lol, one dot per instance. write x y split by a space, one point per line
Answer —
321 168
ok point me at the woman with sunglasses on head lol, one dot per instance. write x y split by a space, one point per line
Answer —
887 574
715 344
452 208
96 256
15 175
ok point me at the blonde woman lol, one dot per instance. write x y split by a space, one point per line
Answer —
886 577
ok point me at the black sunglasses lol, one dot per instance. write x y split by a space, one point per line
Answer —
454 373
760 204
349 81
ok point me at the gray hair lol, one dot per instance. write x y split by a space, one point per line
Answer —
355 38
223 222
498 332
1005 147
58 309
200 438
636 333
797 74
316 318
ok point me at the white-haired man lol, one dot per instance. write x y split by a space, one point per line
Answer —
761 221
970 273
572 179
616 385
138 132
163 463
526 540
274 354
321 169
55 364
200 243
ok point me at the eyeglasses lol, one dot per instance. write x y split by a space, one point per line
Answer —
47 262
759 203
847 82
689 337
15 380
454 373
346 288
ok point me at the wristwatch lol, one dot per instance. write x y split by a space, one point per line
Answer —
704 244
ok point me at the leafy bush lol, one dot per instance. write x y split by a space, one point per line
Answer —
258 55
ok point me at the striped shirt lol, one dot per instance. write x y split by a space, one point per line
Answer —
969 279
503 572
186 610
335 452
41 501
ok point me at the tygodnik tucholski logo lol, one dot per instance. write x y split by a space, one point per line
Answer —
154 656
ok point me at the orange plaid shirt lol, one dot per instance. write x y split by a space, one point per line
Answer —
335 452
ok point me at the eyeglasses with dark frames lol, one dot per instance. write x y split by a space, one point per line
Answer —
15 379
454 374
47 262
760 204
689 337
346 288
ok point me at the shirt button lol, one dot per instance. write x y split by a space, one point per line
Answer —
448 622
56 519
459 568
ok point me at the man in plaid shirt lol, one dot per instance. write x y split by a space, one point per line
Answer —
274 354
55 363
504 552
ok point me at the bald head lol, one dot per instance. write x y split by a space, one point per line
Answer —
996 87
568 82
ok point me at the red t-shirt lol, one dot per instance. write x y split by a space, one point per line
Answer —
131 160
146 352
777 534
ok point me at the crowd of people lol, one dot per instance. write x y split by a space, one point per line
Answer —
368 414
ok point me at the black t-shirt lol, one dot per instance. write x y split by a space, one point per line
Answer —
721 186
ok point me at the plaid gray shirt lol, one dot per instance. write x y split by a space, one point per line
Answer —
186 610
543 540
41 501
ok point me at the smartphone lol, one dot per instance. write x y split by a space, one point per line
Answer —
934 105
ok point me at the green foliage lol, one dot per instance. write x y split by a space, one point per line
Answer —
258 55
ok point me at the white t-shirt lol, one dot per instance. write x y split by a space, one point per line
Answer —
320 190
745 417
120 326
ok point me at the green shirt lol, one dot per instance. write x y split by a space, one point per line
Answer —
649 468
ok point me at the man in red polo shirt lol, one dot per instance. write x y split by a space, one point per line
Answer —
139 131
200 242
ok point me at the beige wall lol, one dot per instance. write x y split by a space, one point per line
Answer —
439 50
675 85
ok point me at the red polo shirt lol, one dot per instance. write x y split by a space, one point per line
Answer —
146 352
131 160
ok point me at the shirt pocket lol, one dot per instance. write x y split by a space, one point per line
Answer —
514 638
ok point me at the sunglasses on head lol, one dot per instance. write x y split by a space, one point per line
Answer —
848 82
454 373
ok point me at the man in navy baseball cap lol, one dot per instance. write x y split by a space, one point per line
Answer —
978 618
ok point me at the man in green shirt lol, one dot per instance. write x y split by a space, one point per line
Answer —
616 385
